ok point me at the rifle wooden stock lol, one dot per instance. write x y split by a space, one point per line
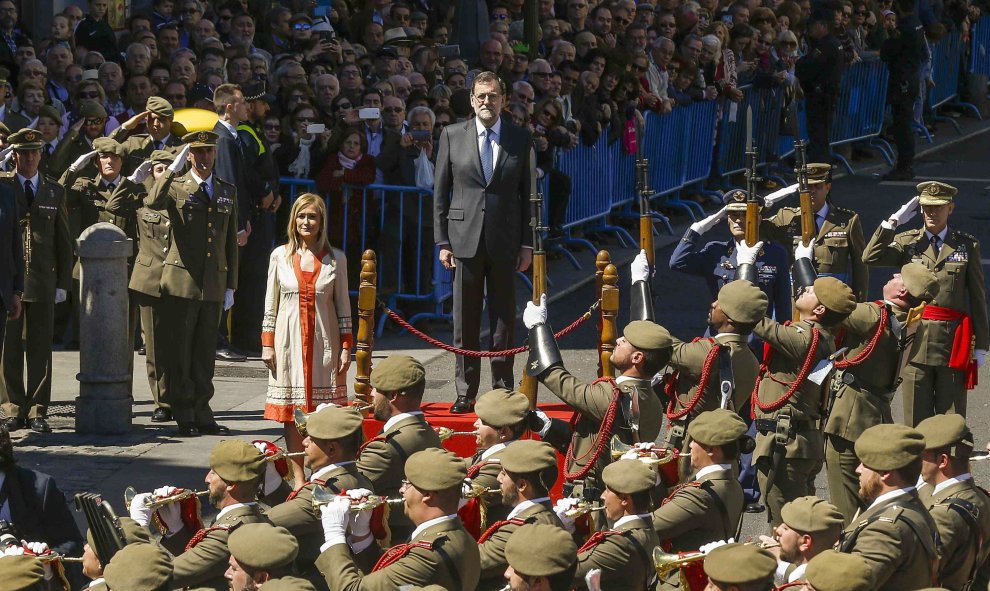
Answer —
752 227
609 312
808 229
602 260
366 328
529 384
646 236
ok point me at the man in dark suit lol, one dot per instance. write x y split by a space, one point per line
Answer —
11 259
481 188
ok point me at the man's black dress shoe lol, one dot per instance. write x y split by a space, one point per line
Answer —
214 429
229 355
161 415
187 431
462 405
13 423
40 425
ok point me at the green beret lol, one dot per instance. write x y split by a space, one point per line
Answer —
22 573
811 515
935 193
647 336
527 456
26 139
945 431
236 460
139 567
717 427
435 469
540 550
889 447
50 112
288 584
819 172
838 571
201 139
835 295
735 564
742 301
162 157
737 199
263 546
134 533
502 408
333 422
920 281
105 145
397 373
628 477
92 110
159 106
4 129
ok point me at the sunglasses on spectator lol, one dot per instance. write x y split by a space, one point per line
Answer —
272 126
89 95
343 106
499 17
862 12
225 17
190 11
305 119
302 26
94 121
540 74
788 43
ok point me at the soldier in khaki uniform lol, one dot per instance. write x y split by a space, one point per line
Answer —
92 564
140 567
23 573
528 472
157 121
895 534
333 437
945 360
835 571
866 377
78 141
440 550
809 526
839 239
541 558
259 552
48 271
199 277
202 557
961 509
740 566
49 116
398 384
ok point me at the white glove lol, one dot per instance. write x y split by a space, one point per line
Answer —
180 160
228 299
164 491
323 405
39 548
139 509
746 255
359 493
535 315
779 195
981 357
6 156
593 579
82 160
706 548
709 222
546 422
60 295
334 517
805 252
906 212
171 516
141 172
273 479
632 454
13 551
360 520
561 507
640 267
7 151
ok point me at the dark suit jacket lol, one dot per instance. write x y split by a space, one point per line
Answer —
11 248
51 244
39 510
231 167
463 206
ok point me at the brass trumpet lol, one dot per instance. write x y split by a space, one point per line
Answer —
665 564
479 491
323 496
583 508
654 456
130 493
281 453
57 557
446 433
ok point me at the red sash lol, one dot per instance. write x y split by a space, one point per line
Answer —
963 341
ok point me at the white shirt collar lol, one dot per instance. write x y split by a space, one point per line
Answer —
622 379
892 494
488 452
711 470
526 505
34 185
96 582
726 334
402 415
798 573
327 469
944 485
628 518
941 235
104 181
230 508
431 523
199 181
496 128
230 128
823 211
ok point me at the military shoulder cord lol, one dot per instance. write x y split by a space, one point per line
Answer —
802 374
600 439
669 388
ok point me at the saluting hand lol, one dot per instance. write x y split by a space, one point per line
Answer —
906 212
82 161
709 222
141 172
180 160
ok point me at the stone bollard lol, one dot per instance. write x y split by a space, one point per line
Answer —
104 402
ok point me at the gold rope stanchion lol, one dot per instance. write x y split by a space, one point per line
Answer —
610 310
366 329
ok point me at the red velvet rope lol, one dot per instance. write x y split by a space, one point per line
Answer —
861 357
802 374
706 371
601 438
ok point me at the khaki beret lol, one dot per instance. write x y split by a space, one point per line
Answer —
945 430
201 139
397 373
22 573
162 156
647 336
527 456
717 427
4 129
236 460
889 447
50 112
628 477
105 145
288 584
735 564
735 200
502 407
838 571
540 550
819 172
435 469
92 110
26 139
811 515
263 546
333 422
134 533
920 281
159 106
935 193
139 567
742 301
835 295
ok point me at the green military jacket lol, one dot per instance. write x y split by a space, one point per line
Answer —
691 516
838 245
689 358
90 201
625 556
202 260
493 563
897 538
154 241
485 473
452 562
45 234
140 146
203 566
69 149
862 392
303 520
958 550
959 269
791 344
592 401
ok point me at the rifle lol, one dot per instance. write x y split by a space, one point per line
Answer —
644 193
528 386
752 200
808 229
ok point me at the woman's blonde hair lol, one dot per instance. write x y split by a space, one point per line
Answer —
303 201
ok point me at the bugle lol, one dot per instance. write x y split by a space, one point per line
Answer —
446 433
281 453
476 490
53 557
688 564
653 456
130 493
323 496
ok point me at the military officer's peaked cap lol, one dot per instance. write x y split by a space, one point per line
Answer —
26 139
201 139
435 469
647 336
717 427
236 460
889 447
947 430
920 281
105 145
333 422
743 301
810 515
139 567
159 106
838 571
502 407
540 550
263 546
935 193
397 373
629 477
528 456
819 172
736 564
835 295
735 200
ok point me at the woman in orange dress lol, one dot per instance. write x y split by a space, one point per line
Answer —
306 332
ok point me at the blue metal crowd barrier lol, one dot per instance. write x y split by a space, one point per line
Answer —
295 187
947 58
859 112
979 55
701 145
